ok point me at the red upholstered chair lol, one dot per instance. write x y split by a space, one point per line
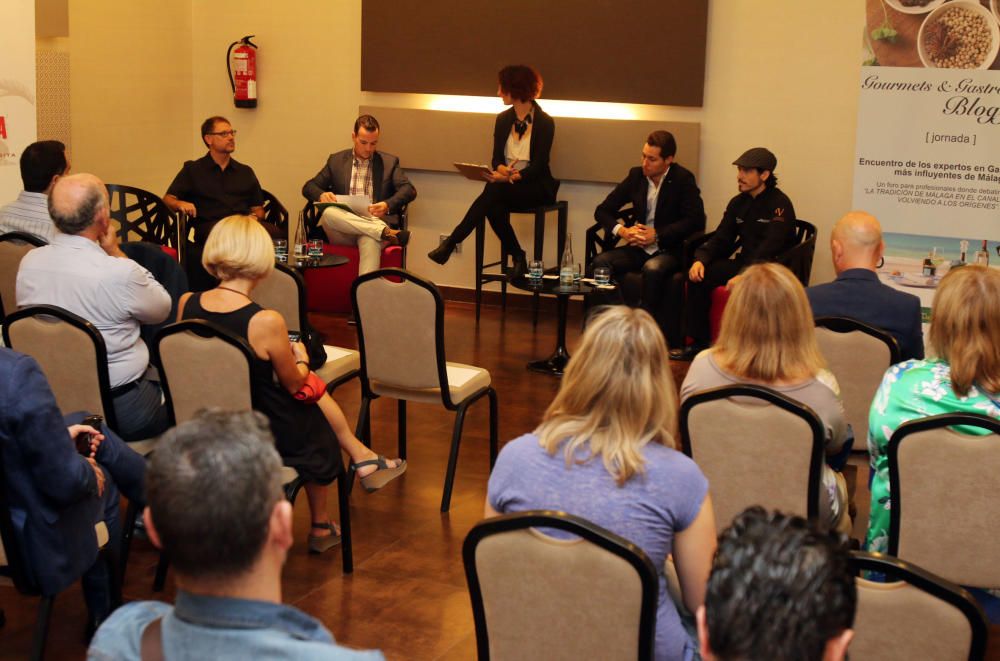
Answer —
329 289
798 259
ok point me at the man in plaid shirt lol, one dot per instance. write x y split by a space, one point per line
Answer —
363 171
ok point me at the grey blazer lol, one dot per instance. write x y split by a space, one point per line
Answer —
390 184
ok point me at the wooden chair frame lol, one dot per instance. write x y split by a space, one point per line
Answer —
590 532
816 456
895 569
367 395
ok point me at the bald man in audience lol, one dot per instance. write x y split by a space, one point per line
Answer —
85 271
856 245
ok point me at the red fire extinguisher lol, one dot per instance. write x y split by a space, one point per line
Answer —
241 64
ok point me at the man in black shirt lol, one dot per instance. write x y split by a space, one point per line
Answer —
760 219
211 188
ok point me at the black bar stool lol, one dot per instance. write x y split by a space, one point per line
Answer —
540 213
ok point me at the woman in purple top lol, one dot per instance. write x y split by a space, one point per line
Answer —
605 452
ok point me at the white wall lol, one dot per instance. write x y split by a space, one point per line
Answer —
782 74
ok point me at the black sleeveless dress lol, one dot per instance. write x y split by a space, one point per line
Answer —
302 434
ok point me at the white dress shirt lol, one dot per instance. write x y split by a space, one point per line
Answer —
652 195
517 151
113 293
28 213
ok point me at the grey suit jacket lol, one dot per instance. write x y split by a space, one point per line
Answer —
390 184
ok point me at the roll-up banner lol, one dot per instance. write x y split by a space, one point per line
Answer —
17 91
928 140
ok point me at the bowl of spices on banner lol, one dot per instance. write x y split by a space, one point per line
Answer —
959 35
914 6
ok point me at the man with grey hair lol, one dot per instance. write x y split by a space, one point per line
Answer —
856 245
227 553
85 271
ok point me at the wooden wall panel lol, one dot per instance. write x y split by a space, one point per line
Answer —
597 150
631 51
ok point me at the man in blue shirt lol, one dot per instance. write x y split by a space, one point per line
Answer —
216 508
856 245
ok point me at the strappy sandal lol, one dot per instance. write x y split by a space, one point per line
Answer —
382 476
326 542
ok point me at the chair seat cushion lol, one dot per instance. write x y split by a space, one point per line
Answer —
144 447
329 289
339 363
288 475
464 381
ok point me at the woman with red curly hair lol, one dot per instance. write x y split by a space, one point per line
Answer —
522 140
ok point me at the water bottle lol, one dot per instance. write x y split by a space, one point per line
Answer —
301 243
566 264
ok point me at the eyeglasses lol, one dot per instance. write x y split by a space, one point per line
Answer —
224 134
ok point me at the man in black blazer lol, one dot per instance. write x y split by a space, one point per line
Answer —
856 245
363 171
666 209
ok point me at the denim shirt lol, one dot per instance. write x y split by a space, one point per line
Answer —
219 628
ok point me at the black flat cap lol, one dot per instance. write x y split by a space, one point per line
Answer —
759 158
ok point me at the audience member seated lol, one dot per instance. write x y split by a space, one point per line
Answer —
363 171
211 188
605 452
42 163
85 271
760 219
767 338
857 247
963 376
781 589
56 494
239 252
667 209
520 179
217 510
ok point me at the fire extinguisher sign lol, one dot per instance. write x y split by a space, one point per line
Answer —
3 127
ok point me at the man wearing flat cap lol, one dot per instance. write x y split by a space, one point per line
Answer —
760 219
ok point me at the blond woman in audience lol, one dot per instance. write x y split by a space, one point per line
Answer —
605 451
309 437
962 376
768 339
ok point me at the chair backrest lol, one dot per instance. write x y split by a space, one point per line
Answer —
382 308
858 355
284 291
202 365
71 353
799 257
538 597
915 616
142 216
756 447
275 212
944 514
13 247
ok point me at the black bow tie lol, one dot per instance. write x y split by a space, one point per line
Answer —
521 125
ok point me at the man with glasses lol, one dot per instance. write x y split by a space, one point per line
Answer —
211 188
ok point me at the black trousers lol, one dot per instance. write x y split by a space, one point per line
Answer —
495 203
699 298
657 271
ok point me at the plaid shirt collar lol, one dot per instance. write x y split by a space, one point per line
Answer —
361 177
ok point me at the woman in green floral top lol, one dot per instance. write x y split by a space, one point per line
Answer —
963 377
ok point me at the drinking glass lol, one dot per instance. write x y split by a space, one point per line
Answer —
577 273
602 275
281 250
535 269
316 248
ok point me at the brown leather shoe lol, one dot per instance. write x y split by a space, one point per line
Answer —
396 237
